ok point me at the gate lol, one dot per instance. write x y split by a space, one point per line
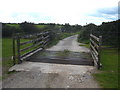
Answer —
25 46
95 49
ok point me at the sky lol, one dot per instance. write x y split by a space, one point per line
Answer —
80 12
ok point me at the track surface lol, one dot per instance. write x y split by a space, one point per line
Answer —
76 55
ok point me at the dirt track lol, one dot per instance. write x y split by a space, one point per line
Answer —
47 75
70 44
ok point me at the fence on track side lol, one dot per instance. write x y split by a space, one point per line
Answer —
95 49
25 46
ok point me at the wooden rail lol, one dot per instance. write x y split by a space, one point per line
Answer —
95 48
37 42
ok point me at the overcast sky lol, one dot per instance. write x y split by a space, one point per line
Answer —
59 11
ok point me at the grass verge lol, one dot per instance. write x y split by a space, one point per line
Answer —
85 45
108 76
7 62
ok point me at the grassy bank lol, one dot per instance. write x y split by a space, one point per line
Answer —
6 56
108 76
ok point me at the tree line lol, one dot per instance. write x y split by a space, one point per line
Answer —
8 29
108 31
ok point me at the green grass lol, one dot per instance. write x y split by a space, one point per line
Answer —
108 77
14 25
6 47
84 41
85 45
7 54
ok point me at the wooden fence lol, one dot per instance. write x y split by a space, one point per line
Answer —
95 48
27 45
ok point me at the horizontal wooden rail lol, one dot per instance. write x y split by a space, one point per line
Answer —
46 41
30 53
95 57
31 46
95 62
38 40
46 37
31 41
96 38
93 49
95 44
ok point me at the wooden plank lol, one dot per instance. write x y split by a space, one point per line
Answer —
46 32
39 34
46 37
27 42
95 44
94 49
45 44
96 38
45 41
28 54
31 46
95 62
96 58
31 41
96 53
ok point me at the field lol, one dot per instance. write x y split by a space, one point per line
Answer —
18 26
14 25
7 54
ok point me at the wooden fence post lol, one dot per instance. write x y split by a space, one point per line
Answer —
18 48
99 51
42 40
14 55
